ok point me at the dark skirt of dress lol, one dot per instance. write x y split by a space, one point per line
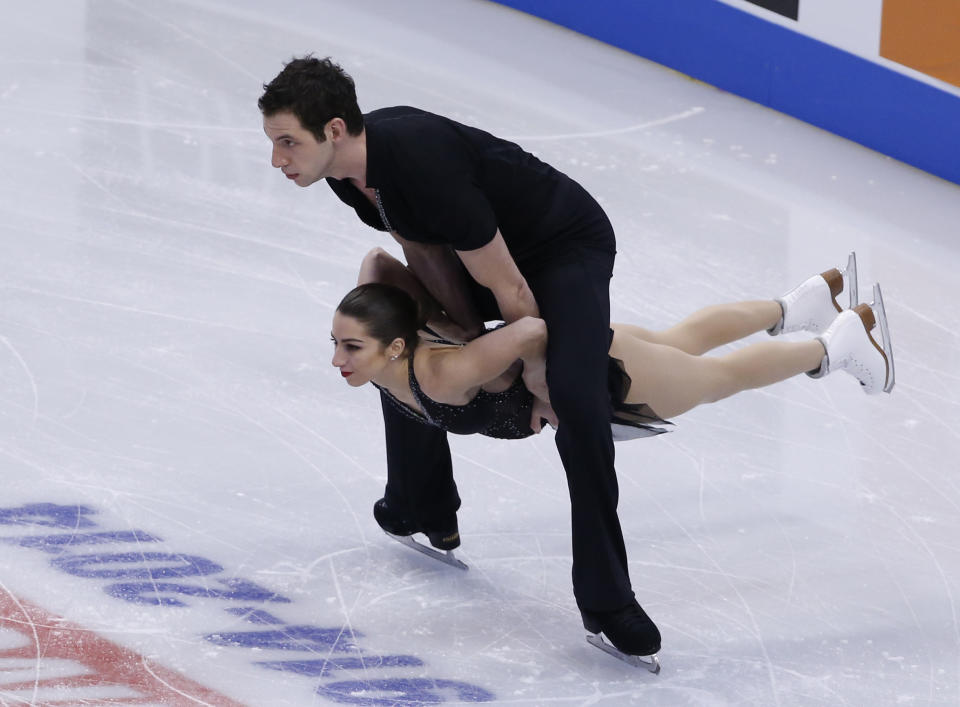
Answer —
630 421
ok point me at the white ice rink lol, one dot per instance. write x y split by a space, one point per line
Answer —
171 429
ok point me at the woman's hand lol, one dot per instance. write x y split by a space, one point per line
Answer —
542 410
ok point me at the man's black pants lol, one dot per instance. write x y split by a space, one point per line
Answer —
573 296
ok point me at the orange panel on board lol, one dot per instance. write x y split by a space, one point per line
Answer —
924 35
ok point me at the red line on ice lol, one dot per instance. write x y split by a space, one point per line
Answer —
111 665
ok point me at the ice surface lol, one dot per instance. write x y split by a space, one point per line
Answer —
165 298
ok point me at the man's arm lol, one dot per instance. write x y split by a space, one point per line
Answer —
437 269
494 268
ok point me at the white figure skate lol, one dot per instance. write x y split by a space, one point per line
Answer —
812 305
850 346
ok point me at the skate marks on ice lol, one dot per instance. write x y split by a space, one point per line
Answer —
183 253
136 567
45 659
650 663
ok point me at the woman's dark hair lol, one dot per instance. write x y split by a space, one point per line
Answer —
315 91
387 311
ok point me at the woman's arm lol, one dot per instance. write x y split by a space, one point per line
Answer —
450 376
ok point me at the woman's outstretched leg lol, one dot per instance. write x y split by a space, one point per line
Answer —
672 381
713 326
811 306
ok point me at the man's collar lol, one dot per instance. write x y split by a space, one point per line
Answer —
374 168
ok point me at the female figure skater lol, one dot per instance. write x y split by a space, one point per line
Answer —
487 385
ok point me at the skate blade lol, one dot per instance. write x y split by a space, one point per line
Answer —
447 557
880 313
649 662
850 273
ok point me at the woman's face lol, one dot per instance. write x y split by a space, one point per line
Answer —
358 355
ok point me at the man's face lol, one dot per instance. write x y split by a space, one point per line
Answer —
296 151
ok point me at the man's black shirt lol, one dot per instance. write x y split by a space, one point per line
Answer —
443 182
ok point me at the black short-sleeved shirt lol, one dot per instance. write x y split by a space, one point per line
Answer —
443 182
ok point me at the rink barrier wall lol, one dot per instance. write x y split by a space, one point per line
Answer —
771 64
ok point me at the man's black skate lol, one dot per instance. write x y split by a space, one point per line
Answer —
632 636
443 533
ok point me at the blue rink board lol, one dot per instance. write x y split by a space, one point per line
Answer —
739 52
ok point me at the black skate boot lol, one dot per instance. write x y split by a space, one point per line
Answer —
443 533
393 522
632 636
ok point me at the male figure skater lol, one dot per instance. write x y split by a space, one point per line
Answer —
493 233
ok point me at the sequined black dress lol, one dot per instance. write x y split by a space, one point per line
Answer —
506 415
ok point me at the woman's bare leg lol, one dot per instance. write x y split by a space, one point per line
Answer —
672 381
712 326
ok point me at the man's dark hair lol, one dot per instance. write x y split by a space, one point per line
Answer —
314 90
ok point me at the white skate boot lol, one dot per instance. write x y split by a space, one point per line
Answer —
812 305
850 346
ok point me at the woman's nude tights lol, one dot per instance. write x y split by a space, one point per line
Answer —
670 375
